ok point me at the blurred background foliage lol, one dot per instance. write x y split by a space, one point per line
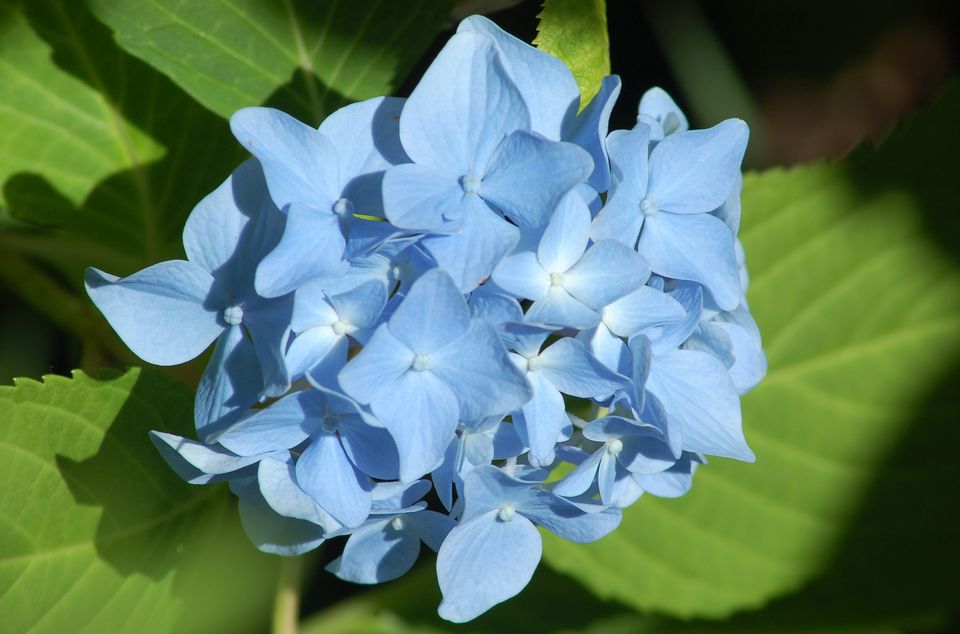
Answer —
113 125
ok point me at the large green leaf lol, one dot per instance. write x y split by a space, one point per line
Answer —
229 54
53 124
576 32
97 534
134 216
856 288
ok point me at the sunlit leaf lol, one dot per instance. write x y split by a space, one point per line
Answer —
576 32
97 534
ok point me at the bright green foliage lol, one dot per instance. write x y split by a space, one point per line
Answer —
234 53
576 32
96 533
54 124
860 310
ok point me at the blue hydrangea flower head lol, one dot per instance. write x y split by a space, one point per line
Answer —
414 306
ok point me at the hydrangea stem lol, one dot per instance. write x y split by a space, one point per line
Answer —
286 603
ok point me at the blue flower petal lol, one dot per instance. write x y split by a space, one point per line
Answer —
159 312
485 561
528 175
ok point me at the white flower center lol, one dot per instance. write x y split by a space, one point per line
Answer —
397 523
341 327
648 207
534 363
421 362
342 207
507 512
330 424
614 447
233 315
470 184
557 279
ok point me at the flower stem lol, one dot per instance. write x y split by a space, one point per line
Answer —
286 603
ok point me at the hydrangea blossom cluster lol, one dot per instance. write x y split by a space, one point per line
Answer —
416 305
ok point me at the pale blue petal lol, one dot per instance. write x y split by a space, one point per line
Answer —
607 348
547 86
365 136
714 340
159 312
528 175
569 366
299 163
311 308
581 478
432 315
421 414
606 476
312 246
659 106
565 238
315 347
448 472
694 172
619 219
214 227
589 130
230 384
281 492
494 305
673 482
695 247
361 306
432 528
485 561
196 462
379 364
376 553
544 417
476 368
470 255
422 197
271 532
268 324
284 425
690 297
392 497
564 519
624 491
606 272
629 152
750 364
559 308
641 309
462 108
697 392
506 442
522 275
325 473
370 448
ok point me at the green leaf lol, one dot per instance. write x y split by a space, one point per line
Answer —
576 32
856 288
134 216
234 53
97 534
54 124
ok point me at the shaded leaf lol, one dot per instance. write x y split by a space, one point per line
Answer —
234 53
856 288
